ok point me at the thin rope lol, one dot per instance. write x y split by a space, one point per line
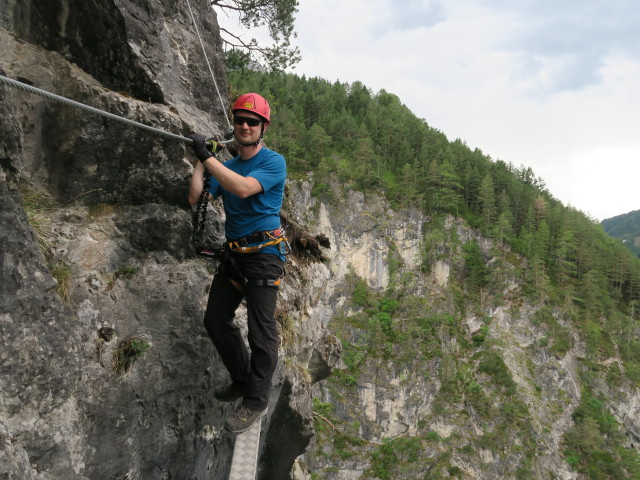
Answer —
58 98
213 77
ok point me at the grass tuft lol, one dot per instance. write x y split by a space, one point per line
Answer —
129 350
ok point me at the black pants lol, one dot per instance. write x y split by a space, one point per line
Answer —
253 370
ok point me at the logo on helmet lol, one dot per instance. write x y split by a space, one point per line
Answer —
248 105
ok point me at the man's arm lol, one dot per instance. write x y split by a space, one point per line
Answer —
197 184
232 182
229 180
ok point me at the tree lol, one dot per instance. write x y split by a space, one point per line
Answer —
358 100
593 294
442 187
318 143
278 16
363 158
408 188
564 257
475 268
488 199
503 229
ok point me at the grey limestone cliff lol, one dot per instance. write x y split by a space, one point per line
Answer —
105 368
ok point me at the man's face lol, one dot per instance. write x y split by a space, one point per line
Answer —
245 132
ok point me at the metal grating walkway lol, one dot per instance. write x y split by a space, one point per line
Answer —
245 453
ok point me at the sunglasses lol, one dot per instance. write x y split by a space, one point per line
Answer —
252 122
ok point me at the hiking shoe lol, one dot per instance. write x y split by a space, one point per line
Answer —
231 392
243 418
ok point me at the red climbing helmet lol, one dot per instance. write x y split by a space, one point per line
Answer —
254 103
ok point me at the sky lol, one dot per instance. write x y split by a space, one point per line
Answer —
549 84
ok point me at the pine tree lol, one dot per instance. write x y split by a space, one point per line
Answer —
488 200
317 142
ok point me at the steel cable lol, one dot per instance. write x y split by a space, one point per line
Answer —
97 111
206 58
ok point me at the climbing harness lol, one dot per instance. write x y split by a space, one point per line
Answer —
271 237
249 244
230 267
229 260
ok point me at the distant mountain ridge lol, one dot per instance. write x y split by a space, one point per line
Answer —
626 227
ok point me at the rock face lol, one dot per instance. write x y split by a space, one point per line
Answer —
105 368
448 407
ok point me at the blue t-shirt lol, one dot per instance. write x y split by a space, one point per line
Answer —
261 211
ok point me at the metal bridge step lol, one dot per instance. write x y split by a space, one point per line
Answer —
244 463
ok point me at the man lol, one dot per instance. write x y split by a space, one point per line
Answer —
251 186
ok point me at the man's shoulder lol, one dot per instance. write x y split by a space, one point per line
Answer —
267 153
272 158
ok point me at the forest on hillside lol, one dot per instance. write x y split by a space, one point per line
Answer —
626 227
372 142
569 268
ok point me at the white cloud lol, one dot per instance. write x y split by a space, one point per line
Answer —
597 181
411 14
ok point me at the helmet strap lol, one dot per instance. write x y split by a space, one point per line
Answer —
252 144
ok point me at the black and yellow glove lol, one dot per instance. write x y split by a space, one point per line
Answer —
204 148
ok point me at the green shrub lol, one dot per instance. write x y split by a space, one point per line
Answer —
360 295
632 370
493 365
389 458
126 271
593 444
128 352
480 336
